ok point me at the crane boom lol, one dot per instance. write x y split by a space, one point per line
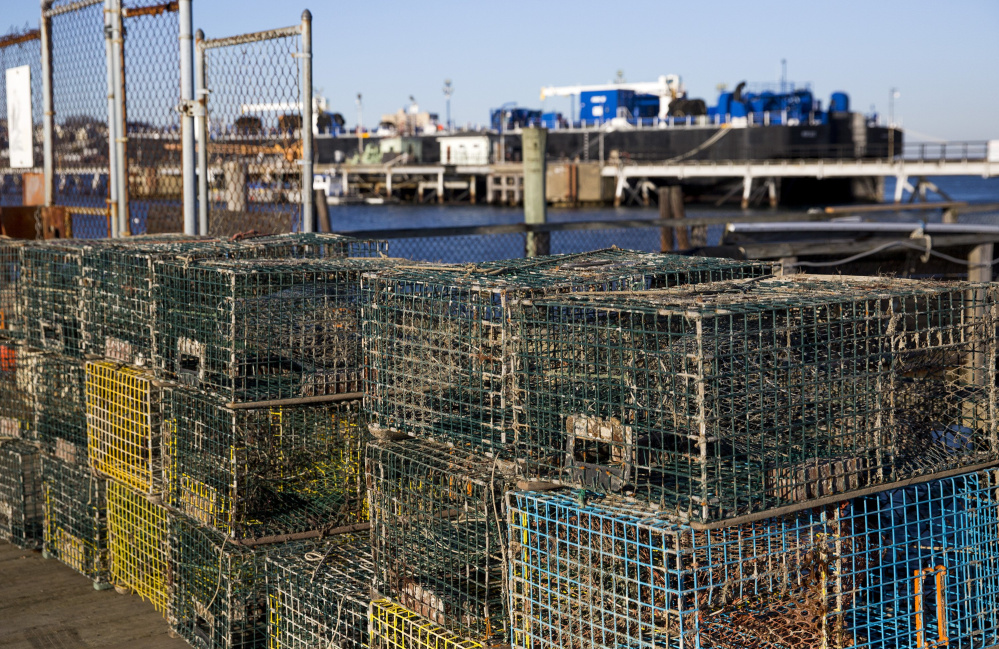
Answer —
666 86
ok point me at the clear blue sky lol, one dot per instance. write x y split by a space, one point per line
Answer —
942 56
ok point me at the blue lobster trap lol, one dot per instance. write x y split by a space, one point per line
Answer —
915 567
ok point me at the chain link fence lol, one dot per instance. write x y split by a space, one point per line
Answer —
152 125
254 130
19 49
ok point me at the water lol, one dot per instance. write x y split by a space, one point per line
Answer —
347 218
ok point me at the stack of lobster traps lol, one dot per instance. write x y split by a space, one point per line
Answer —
784 462
223 406
444 350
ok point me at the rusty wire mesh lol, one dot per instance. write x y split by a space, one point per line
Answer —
254 131
152 125
20 48
21 499
80 102
721 399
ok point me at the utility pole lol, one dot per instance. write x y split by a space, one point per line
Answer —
360 142
892 95
448 91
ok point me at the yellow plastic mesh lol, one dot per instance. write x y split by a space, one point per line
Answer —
123 442
395 627
138 537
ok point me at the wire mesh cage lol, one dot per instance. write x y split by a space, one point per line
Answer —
320 598
21 49
11 324
21 500
124 423
263 329
80 106
60 425
119 280
261 472
396 627
903 568
437 534
218 589
255 135
51 293
17 398
717 400
442 344
138 539
76 530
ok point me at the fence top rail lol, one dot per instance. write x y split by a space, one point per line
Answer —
153 10
17 38
254 37
50 11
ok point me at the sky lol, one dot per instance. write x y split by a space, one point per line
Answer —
942 57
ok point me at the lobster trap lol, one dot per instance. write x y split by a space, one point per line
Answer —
320 598
11 326
262 329
396 627
17 398
21 510
901 569
718 400
76 530
51 294
442 344
218 589
119 280
123 425
260 472
438 535
138 538
57 383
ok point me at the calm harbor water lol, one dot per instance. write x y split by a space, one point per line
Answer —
389 217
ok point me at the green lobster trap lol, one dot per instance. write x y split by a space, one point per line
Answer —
21 499
17 396
11 324
118 281
437 534
442 344
60 406
51 294
396 627
264 471
138 539
320 598
76 526
218 588
718 400
263 329
906 568
124 425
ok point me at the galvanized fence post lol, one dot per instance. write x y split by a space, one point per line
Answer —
187 117
307 217
112 199
201 124
121 227
48 113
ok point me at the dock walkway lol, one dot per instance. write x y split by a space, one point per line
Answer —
46 605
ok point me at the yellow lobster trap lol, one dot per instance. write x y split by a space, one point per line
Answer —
123 426
138 537
395 627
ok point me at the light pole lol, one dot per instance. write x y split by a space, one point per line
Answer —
360 142
893 94
448 91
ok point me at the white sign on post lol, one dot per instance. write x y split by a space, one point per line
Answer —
19 130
